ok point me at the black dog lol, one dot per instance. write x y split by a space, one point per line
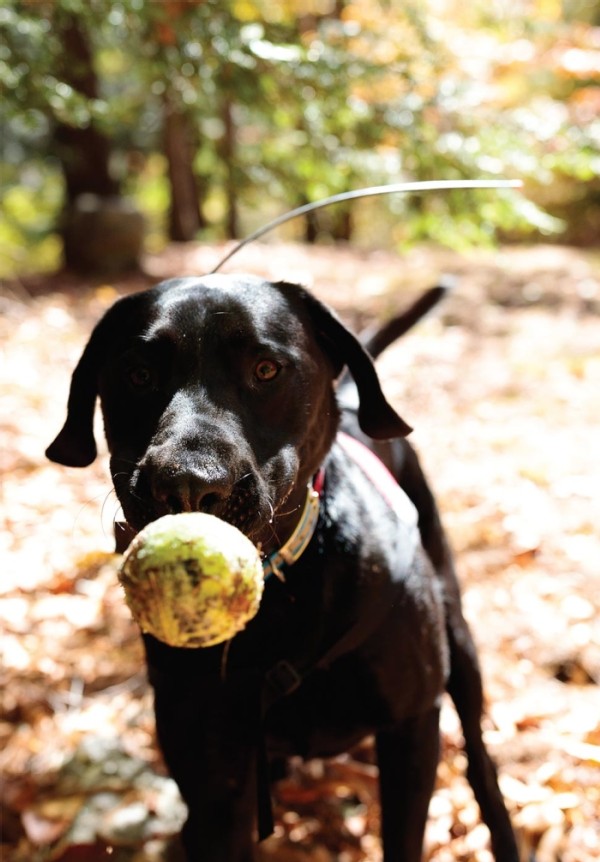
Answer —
218 395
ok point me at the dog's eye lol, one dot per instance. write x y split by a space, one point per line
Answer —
140 377
266 370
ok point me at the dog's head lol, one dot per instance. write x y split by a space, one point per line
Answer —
217 395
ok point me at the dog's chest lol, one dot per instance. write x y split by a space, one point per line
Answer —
349 618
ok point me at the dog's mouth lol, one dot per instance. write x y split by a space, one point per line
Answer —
246 506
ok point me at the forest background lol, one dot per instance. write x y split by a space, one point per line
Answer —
211 117
138 140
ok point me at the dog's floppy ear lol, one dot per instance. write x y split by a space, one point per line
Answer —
376 417
75 445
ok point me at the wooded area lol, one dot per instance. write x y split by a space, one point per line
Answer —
210 117
140 138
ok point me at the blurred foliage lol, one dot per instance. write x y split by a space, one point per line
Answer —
291 101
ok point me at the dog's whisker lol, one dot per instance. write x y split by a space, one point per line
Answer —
102 495
247 475
272 511
109 496
285 512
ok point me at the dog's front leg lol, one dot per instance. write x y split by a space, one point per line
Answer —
208 733
408 758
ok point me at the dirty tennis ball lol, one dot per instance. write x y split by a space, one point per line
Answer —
192 580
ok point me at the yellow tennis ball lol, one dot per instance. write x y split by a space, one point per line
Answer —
192 580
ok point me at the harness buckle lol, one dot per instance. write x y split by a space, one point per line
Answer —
283 678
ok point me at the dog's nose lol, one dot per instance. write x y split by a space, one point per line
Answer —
189 491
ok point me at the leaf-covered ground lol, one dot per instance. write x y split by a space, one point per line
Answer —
502 385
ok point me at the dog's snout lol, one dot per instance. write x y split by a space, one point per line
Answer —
188 490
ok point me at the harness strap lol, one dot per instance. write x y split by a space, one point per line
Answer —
396 498
285 677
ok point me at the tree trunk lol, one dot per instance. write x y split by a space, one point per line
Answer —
101 232
83 152
185 217
342 226
228 156
311 230
335 222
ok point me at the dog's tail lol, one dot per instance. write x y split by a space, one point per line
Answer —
377 338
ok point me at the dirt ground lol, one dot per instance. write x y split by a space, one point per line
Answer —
502 386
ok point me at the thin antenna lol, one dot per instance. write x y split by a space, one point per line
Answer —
371 191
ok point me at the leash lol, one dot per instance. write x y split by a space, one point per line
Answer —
370 191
